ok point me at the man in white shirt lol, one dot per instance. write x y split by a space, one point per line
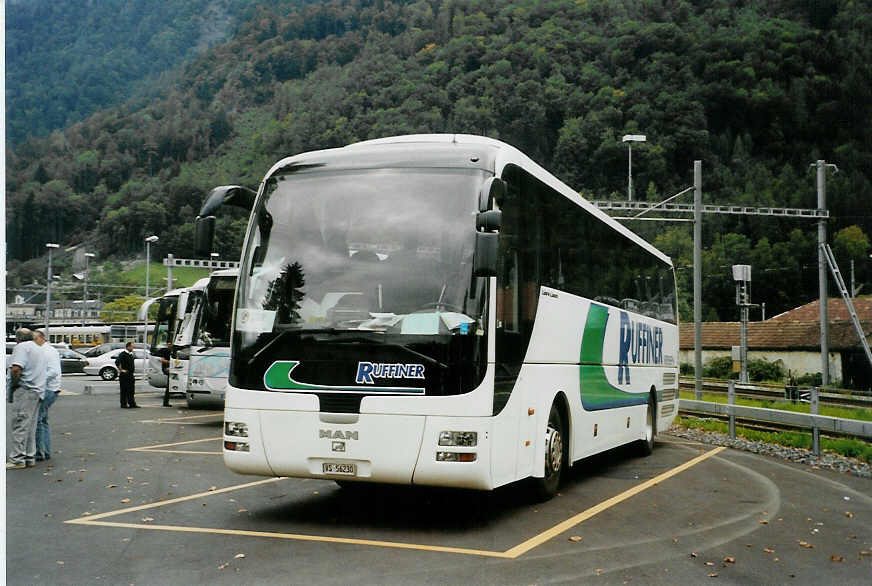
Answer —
26 387
52 389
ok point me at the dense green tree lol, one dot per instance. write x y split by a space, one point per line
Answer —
754 89
122 309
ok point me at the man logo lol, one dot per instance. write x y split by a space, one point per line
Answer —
338 446
337 434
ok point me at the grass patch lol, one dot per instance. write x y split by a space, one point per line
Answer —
182 276
828 410
851 448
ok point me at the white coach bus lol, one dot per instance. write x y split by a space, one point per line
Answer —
440 310
161 334
208 355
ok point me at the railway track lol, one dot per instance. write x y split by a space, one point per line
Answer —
771 391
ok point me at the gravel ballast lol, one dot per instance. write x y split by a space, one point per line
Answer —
826 460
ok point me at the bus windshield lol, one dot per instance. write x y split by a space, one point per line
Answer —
367 256
165 323
213 317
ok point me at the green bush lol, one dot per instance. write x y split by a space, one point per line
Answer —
762 370
810 380
686 369
759 369
718 368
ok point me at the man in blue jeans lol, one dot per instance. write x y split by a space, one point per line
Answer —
26 388
52 388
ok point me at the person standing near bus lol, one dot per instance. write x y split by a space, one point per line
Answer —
26 387
126 368
52 389
166 355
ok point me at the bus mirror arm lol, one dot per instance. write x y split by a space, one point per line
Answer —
228 195
493 188
489 221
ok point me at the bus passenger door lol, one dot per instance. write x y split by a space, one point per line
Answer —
527 415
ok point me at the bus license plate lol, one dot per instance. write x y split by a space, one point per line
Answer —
337 468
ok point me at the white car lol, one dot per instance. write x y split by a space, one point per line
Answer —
104 364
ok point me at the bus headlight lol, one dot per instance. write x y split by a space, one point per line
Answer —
455 456
236 428
458 438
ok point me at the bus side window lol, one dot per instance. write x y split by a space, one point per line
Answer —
507 294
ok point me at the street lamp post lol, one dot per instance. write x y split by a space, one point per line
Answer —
148 242
51 246
630 139
88 256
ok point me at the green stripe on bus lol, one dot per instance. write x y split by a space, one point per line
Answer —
596 391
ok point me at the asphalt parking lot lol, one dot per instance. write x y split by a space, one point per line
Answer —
140 496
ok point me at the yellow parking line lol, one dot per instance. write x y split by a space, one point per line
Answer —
511 553
538 540
300 537
181 418
188 452
152 447
181 499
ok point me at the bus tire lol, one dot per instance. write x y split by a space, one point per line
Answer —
555 456
108 373
646 446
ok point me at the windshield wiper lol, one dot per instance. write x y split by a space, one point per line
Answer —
269 344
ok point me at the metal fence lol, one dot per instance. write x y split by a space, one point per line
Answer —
810 421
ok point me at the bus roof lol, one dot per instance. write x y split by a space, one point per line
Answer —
449 150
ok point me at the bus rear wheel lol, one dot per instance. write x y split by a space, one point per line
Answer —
646 445
555 456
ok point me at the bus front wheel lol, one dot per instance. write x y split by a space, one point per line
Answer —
555 456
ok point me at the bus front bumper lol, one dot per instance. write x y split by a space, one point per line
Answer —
367 447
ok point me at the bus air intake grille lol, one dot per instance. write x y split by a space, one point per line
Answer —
668 379
339 402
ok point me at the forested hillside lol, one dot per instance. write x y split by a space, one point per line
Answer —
67 59
755 89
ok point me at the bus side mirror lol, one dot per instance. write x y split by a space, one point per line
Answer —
492 188
484 263
204 235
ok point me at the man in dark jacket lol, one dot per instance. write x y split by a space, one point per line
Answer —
166 355
126 369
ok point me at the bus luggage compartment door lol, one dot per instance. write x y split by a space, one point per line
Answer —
366 447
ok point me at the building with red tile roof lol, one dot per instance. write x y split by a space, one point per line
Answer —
794 338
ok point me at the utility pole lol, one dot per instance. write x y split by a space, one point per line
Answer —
697 276
853 283
169 272
821 166
51 246
742 277
88 256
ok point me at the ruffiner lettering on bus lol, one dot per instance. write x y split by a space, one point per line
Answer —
640 343
367 371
